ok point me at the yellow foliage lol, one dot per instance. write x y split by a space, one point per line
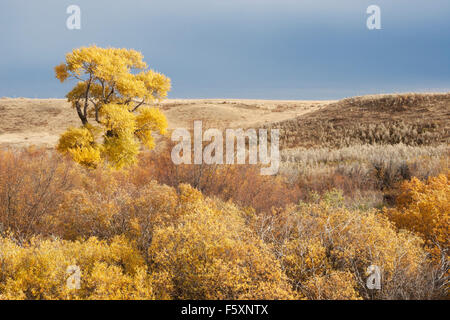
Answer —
320 243
117 120
38 270
110 81
133 238
424 208
61 72
102 208
80 145
304 258
157 83
147 121
121 151
75 137
89 157
120 145
211 254
337 285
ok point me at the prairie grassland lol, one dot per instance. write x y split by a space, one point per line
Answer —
40 122
363 181
365 173
315 158
412 119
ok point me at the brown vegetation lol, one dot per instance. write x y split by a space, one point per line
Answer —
135 238
364 182
412 119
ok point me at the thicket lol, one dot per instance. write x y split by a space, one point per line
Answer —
149 233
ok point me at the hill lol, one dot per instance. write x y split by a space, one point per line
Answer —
411 119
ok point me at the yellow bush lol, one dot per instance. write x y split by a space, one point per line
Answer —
321 245
37 270
337 285
209 253
147 240
424 208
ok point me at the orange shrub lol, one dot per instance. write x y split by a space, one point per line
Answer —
32 185
424 208
241 184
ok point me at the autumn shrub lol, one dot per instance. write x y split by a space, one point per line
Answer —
161 231
107 204
210 253
38 270
323 287
423 207
325 250
242 184
32 185
172 228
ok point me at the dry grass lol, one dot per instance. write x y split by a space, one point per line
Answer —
39 122
412 119
304 159
362 145
367 174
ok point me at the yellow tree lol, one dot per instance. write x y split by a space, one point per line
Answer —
111 96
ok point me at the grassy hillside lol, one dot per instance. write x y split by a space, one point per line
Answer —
411 119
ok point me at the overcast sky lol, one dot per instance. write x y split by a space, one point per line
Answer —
269 49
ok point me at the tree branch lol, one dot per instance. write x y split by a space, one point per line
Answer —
138 105
86 99
109 95
97 109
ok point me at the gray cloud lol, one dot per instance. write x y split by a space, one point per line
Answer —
237 48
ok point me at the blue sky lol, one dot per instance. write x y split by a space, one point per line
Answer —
268 49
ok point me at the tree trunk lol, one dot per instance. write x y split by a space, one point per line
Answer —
83 118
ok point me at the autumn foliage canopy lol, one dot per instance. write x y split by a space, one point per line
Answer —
113 89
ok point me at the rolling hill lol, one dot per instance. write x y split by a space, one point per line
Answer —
412 119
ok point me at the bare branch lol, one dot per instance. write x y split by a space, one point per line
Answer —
109 95
138 105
